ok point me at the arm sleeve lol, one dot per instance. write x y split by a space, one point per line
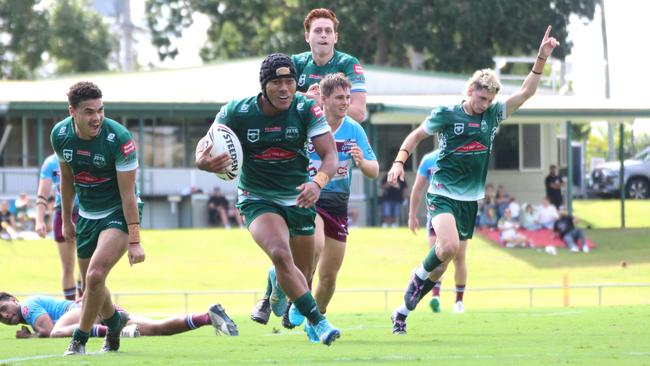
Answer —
435 122
31 310
126 158
364 144
354 73
315 120
47 169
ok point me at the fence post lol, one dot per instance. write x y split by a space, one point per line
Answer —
530 297
600 295
565 289
186 300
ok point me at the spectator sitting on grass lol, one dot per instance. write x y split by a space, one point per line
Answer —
529 218
547 214
565 228
509 235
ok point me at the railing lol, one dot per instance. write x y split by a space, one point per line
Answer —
531 290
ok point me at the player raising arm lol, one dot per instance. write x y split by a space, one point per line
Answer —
466 132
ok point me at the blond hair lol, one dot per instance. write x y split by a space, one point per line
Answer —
484 79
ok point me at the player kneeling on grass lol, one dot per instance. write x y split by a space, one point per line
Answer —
52 317
466 132
332 206
276 197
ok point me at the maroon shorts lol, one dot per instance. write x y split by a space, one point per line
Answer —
57 225
336 227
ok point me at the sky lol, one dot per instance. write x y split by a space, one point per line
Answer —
627 33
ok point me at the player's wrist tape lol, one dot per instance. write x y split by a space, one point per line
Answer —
321 179
398 162
541 58
402 155
535 72
134 233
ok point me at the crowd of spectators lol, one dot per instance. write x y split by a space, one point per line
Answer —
17 217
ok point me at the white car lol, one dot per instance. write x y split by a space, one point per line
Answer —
604 180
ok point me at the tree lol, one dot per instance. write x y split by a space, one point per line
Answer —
80 40
449 35
25 38
74 37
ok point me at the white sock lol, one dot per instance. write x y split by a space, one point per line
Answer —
421 272
403 310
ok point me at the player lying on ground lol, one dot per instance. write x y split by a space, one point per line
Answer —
52 317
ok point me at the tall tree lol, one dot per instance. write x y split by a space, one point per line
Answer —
80 39
24 38
70 32
449 35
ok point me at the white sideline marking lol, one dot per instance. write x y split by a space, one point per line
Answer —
40 357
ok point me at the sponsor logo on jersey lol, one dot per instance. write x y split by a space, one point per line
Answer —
358 69
305 228
300 106
291 133
99 160
316 111
244 108
87 178
343 170
484 126
253 134
474 125
459 128
62 130
115 222
25 311
83 152
310 147
275 154
315 76
273 129
345 146
471 147
67 155
301 80
222 113
128 148
110 137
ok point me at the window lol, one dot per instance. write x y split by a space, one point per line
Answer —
531 147
505 149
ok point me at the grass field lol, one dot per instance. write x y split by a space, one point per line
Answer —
498 327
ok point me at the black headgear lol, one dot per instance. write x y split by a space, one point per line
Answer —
275 66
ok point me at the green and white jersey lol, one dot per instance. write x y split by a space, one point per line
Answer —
465 147
95 164
275 147
309 73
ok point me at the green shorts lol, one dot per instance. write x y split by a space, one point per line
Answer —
299 220
464 212
88 230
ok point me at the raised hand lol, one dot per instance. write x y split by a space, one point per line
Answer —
548 44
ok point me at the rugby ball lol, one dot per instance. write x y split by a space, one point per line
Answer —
223 139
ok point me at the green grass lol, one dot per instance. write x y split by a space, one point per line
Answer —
570 336
607 213
497 329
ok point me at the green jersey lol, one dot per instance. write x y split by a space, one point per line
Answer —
309 73
275 147
465 147
95 164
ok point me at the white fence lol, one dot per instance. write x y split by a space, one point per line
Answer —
525 296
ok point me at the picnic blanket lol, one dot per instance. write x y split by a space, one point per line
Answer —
539 238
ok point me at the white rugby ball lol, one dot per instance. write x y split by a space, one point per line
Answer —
223 139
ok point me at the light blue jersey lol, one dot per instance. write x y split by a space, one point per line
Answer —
429 165
35 306
50 170
334 196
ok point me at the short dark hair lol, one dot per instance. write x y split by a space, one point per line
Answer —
333 81
553 166
5 296
83 90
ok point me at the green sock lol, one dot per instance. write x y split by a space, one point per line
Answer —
306 304
431 261
113 322
80 335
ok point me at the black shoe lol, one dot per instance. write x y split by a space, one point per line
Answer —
112 339
413 292
262 311
75 348
285 318
399 323
221 321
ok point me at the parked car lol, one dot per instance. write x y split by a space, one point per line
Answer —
604 180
